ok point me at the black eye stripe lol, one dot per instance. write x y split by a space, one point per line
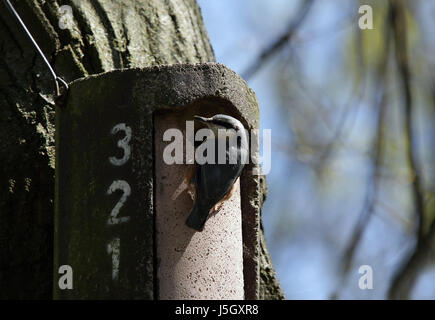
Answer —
223 124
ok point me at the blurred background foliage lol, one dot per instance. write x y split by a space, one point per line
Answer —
352 114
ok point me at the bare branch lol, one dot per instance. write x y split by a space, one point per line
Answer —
373 180
406 275
281 41
400 39
423 255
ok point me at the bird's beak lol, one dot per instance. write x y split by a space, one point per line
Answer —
202 119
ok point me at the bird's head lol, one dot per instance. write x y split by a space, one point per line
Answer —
221 121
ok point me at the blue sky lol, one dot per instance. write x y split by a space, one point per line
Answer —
307 227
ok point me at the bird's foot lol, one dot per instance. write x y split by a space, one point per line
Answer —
217 207
187 183
191 191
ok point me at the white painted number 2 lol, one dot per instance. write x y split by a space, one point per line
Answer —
126 190
123 144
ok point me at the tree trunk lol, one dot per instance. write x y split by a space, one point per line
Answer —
105 35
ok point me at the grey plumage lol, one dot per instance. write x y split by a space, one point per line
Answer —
214 180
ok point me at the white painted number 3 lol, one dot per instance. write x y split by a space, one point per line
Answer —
123 144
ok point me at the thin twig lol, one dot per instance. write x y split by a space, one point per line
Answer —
281 41
355 100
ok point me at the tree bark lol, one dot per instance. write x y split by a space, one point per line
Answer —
105 35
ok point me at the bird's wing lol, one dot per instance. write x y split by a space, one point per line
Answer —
213 181
216 180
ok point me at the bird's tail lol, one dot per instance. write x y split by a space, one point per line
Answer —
197 217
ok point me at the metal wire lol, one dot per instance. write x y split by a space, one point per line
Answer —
55 77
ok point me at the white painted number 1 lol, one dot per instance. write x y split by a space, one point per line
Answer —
113 248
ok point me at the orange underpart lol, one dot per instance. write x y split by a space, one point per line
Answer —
219 205
190 180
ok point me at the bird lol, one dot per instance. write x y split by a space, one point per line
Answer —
215 182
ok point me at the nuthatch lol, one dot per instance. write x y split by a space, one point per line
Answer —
214 182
